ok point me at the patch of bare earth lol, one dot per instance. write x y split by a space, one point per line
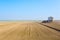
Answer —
27 31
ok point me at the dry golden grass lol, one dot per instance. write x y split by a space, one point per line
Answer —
27 31
54 25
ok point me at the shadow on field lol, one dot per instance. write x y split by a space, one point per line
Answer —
50 27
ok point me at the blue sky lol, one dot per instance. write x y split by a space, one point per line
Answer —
29 9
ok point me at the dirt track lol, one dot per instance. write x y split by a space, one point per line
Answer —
27 31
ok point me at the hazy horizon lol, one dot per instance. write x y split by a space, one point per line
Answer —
29 9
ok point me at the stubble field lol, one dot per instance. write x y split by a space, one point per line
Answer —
27 31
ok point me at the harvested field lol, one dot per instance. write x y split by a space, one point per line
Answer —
53 24
27 31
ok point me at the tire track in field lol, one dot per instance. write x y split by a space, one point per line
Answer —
24 33
7 32
15 30
48 33
50 30
34 33
30 31
51 27
6 28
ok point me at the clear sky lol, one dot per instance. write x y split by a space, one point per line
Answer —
29 9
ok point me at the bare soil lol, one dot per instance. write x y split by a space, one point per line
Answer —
27 31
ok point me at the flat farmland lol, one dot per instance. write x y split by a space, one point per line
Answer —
27 31
54 24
